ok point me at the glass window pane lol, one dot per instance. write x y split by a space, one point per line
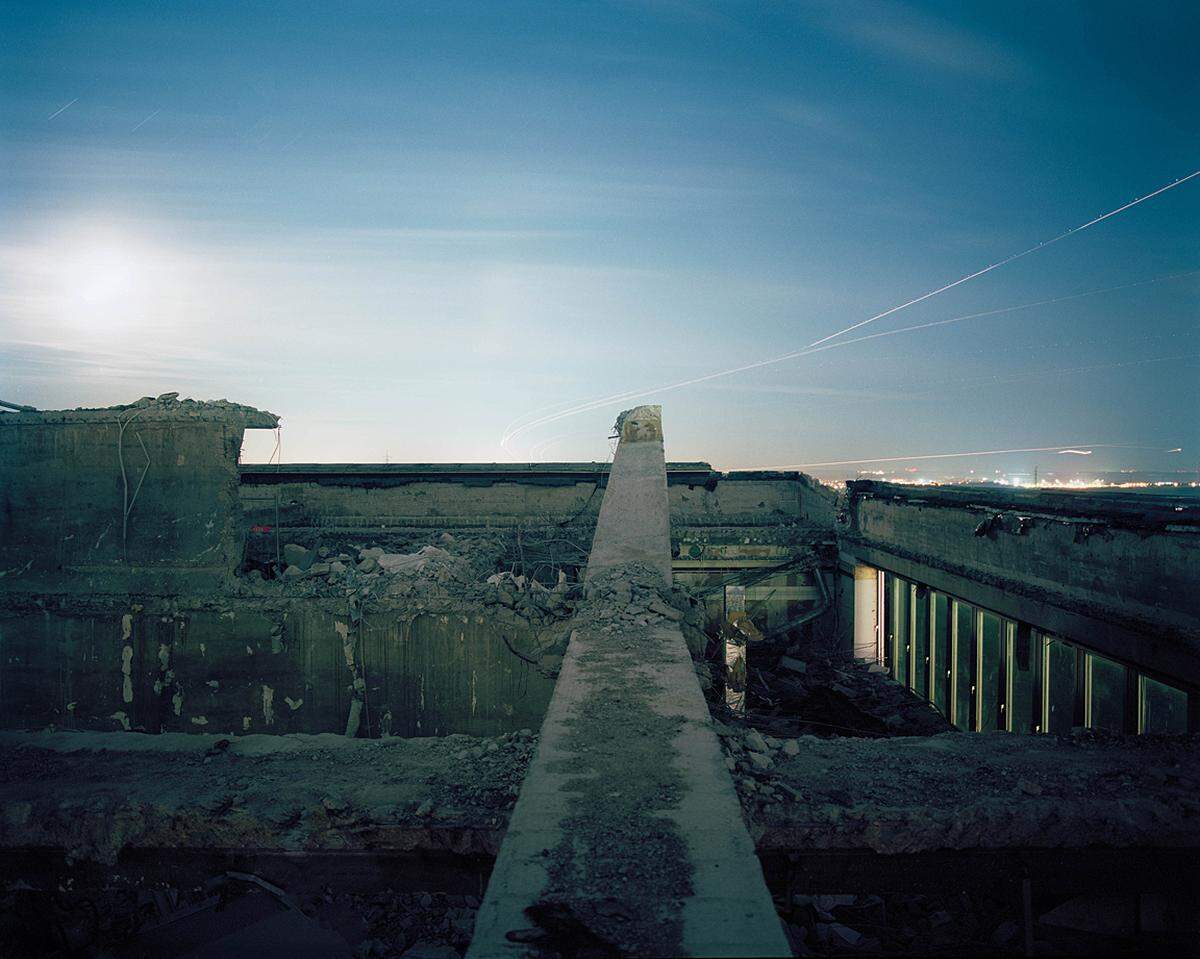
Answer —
1164 708
921 643
889 620
1060 686
964 673
942 661
902 629
991 639
1023 668
1108 694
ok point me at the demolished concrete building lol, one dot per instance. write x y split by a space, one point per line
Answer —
638 708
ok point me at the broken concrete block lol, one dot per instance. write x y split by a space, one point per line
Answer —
296 555
368 565
791 747
657 605
760 761
756 742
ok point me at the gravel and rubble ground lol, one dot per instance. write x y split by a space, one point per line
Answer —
235 914
959 791
791 694
967 790
97 796
94 794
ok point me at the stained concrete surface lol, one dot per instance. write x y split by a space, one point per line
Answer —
137 497
627 839
634 524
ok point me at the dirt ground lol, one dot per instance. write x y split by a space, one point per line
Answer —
967 790
94 794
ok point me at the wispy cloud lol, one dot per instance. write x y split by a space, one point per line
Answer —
901 33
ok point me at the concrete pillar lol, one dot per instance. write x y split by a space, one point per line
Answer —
866 612
628 838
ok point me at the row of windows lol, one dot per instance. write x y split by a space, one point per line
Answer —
984 672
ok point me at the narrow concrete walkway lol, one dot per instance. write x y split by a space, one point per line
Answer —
627 838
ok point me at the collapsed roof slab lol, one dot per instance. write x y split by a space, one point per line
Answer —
628 834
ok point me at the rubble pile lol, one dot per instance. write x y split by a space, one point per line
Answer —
420 925
965 790
634 597
790 695
228 913
95 795
457 574
905 924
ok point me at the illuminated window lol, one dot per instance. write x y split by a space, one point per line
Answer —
1023 677
992 641
1164 708
1106 694
902 630
964 665
943 647
921 657
1061 669
888 614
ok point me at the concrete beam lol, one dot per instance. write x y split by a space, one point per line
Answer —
1120 578
628 837
635 520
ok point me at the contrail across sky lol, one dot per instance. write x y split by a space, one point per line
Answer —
513 432
1080 449
63 109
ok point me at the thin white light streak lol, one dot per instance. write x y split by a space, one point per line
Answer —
512 432
1059 449
145 121
1010 259
62 109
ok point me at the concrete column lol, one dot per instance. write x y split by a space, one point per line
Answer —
628 838
866 612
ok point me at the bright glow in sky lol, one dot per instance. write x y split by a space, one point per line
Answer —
403 227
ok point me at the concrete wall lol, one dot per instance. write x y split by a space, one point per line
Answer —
1120 577
739 498
63 501
356 498
245 669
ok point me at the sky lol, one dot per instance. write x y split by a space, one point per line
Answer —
413 228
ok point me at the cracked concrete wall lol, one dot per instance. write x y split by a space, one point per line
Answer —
246 669
725 499
1111 581
63 503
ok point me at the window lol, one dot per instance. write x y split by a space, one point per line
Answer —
921 657
888 613
984 672
943 646
1023 674
1060 685
991 642
1164 708
964 665
902 630
1106 694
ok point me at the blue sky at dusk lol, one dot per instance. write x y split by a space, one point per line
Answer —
407 228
